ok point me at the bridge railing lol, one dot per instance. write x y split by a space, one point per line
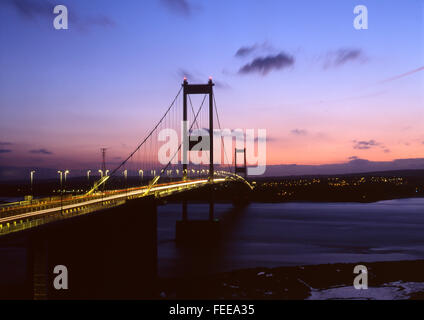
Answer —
24 224
62 212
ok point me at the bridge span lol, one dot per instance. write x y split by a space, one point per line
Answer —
114 232
18 218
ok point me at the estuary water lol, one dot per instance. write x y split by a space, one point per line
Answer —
283 234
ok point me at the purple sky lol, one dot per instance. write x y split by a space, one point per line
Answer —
324 91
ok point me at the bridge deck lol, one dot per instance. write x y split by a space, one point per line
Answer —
27 216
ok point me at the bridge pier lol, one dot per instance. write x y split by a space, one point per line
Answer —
108 254
198 231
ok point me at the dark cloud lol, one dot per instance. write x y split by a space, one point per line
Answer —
247 50
181 7
299 132
41 151
5 150
5 143
31 8
364 145
343 56
353 158
41 8
264 65
386 150
265 139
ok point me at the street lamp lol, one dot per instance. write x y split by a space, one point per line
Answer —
60 177
141 174
61 190
125 176
101 173
66 173
32 179
88 175
106 172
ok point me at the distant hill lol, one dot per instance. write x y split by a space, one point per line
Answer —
10 173
353 166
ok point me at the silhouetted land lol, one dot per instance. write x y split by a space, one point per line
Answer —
392 279
366 187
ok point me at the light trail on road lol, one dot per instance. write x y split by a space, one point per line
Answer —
125 194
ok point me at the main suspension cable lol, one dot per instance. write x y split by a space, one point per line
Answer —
149 135
179 148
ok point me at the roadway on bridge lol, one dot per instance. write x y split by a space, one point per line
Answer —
123 195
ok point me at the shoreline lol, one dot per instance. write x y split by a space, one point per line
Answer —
386 280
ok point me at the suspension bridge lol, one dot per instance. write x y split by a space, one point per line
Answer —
173 177
110 230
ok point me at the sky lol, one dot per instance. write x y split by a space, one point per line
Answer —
325 92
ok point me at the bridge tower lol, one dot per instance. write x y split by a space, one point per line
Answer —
192 231
198 89
103 151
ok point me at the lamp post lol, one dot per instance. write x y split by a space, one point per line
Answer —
60 178
125 176
61 190
66 174
88 178
32 180
106 172
101 173
141 174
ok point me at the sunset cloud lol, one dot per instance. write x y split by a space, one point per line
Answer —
248 50
364 145
343 56
41 151
263 65
299 132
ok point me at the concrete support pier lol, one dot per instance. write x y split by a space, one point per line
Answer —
108 254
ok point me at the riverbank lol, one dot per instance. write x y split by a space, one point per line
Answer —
386 280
